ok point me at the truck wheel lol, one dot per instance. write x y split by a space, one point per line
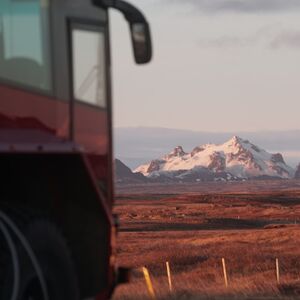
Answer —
55 261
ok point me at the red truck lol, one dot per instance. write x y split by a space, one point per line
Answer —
57 230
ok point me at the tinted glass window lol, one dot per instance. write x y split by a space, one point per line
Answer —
24 45
89 67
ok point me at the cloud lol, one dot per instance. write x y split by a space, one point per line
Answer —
242 6
227 42
230 41
289 39
272 37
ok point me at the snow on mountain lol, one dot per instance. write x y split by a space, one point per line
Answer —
235 159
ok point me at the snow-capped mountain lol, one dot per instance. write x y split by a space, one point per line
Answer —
235 159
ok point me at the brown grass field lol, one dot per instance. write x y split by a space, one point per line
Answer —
195 230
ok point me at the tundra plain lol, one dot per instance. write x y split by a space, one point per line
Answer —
193 227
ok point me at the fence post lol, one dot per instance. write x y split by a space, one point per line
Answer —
277 271
149 283
224 272
169 276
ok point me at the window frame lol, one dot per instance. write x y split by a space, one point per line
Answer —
94 26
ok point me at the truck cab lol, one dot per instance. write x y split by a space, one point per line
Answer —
56 144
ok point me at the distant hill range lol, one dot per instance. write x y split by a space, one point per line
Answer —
236 159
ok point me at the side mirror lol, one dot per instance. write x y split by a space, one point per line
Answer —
141 41
139 28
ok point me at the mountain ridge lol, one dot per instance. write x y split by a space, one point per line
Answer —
123 174
297 173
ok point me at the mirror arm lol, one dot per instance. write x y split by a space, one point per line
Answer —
131 14
137 21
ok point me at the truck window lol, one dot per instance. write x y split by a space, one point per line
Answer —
89 72
24 43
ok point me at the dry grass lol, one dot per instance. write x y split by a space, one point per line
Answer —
194 232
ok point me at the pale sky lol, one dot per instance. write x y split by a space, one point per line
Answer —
219 65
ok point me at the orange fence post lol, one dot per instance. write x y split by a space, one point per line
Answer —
149 283
169 276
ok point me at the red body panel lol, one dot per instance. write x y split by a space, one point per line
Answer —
27 118
34 123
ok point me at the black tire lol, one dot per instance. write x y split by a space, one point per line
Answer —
55 262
